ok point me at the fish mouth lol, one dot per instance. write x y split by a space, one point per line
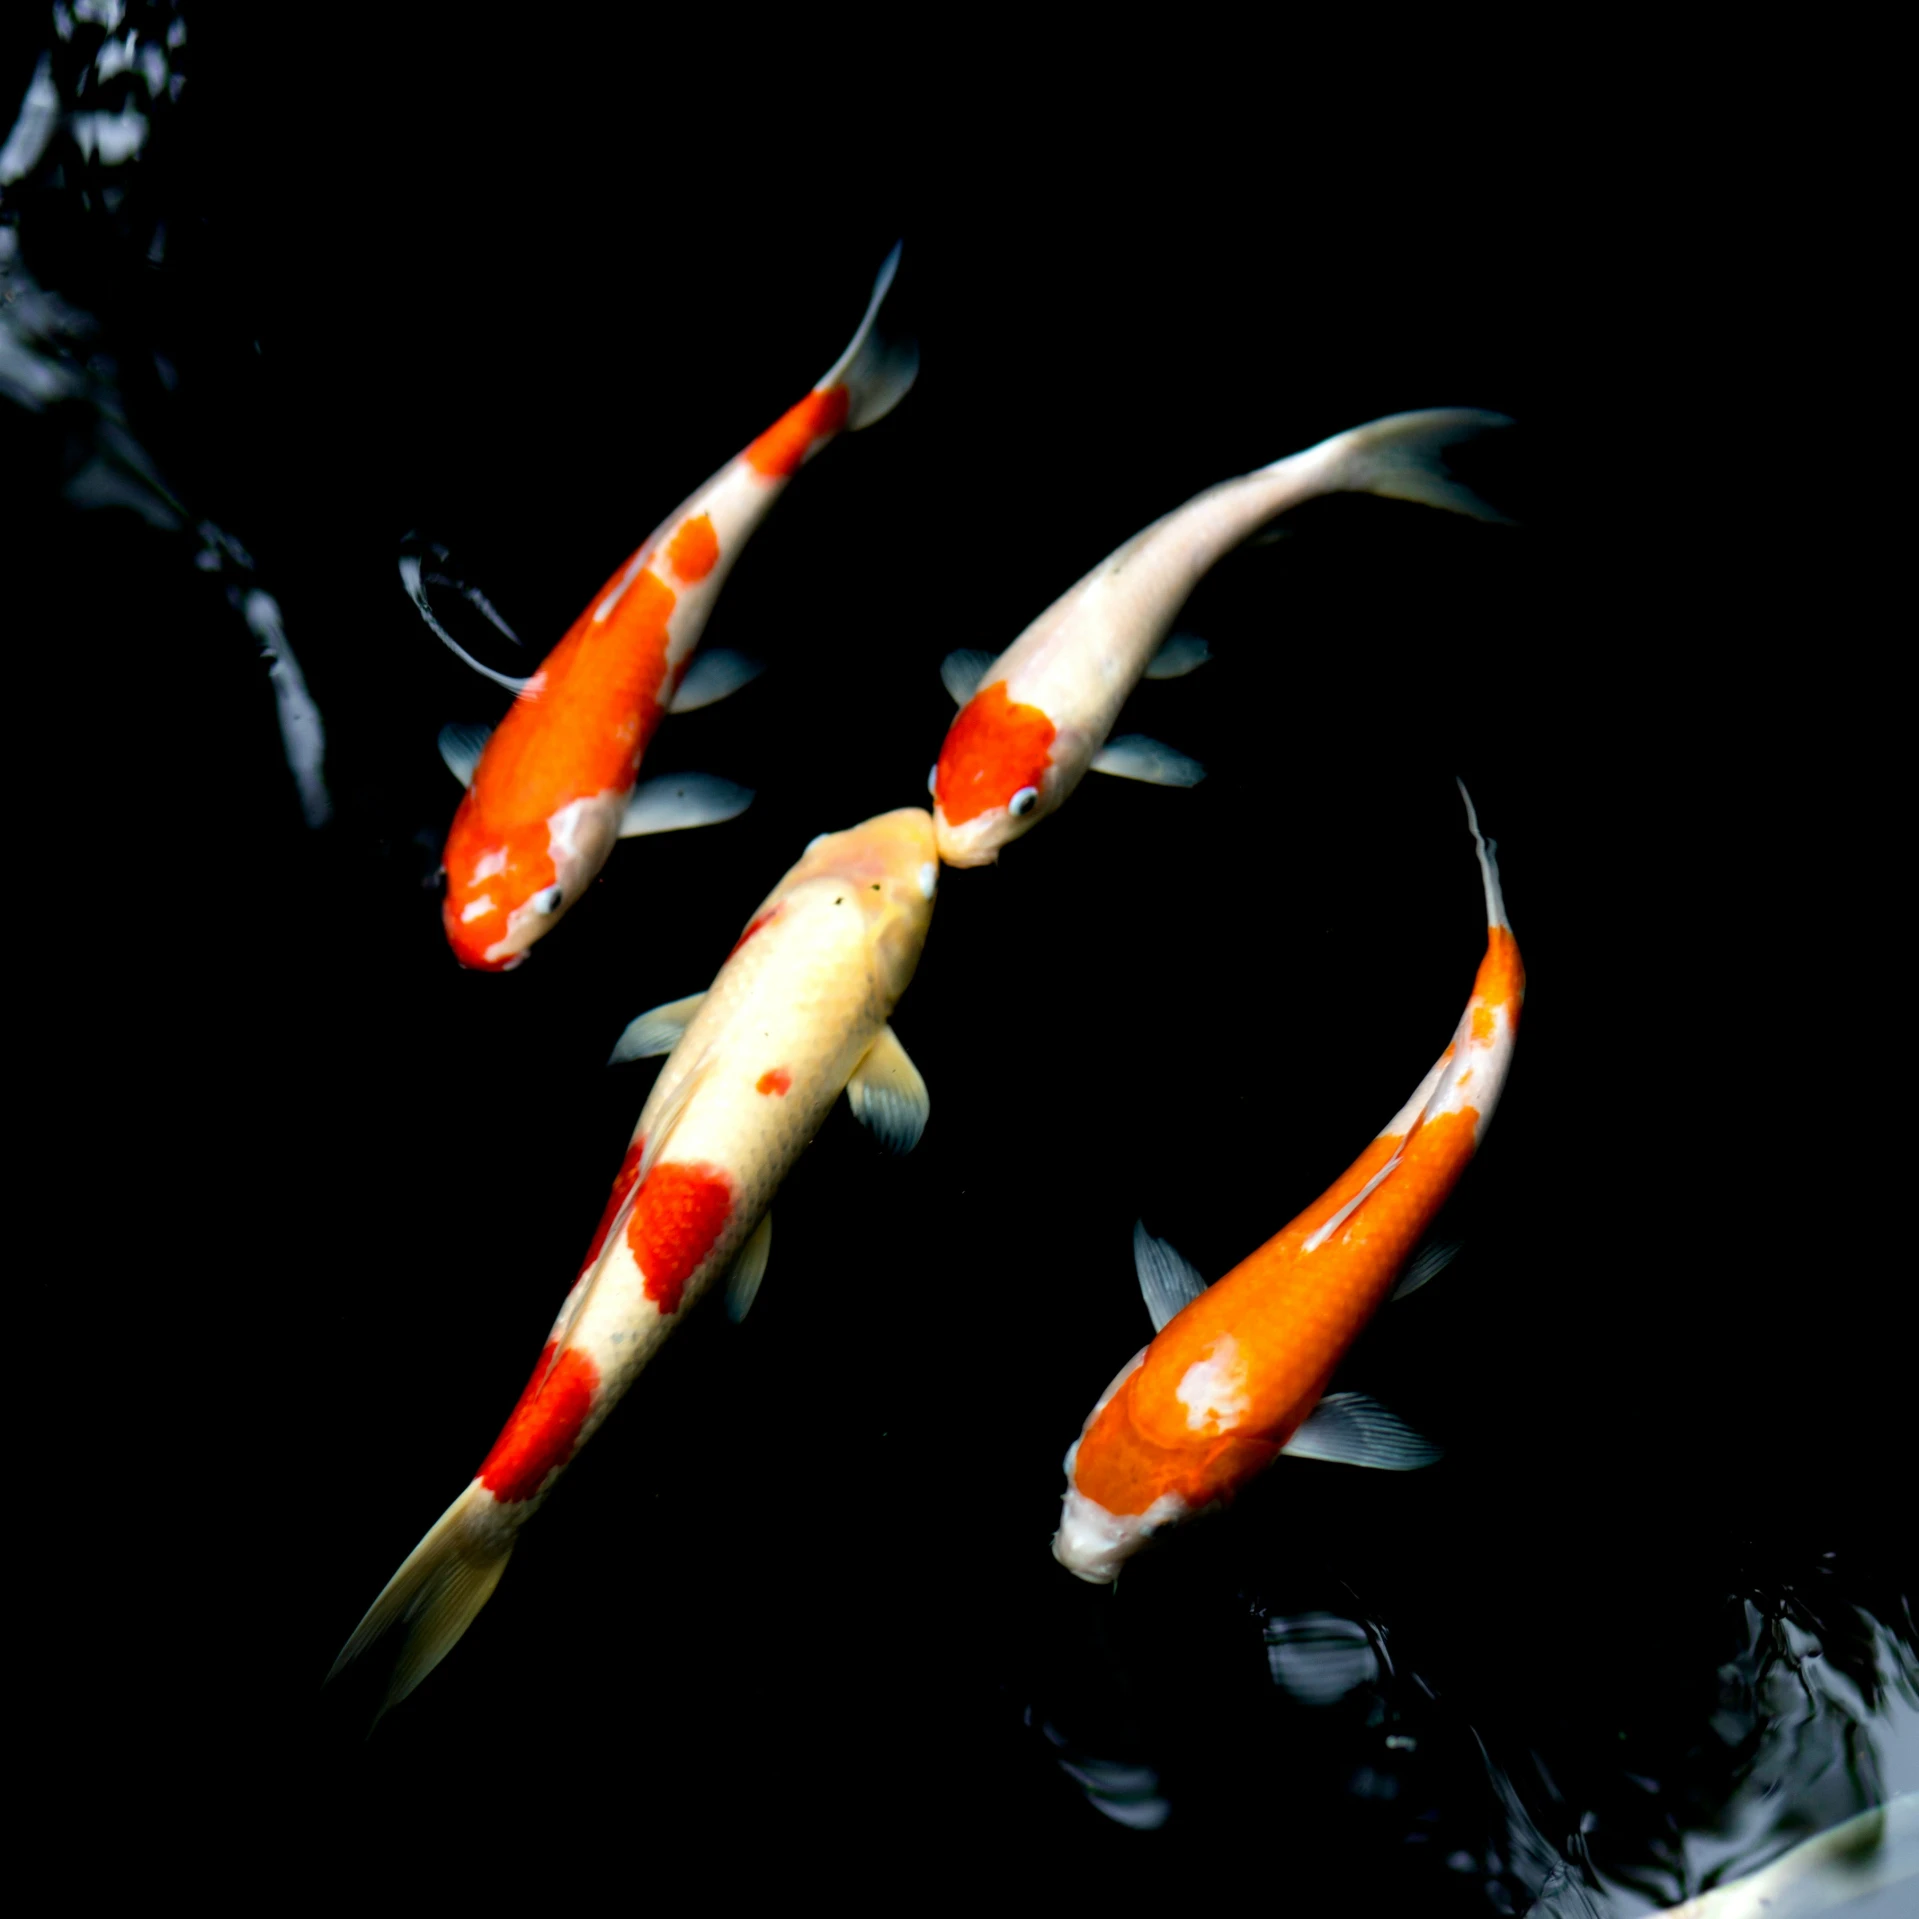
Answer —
1093 1544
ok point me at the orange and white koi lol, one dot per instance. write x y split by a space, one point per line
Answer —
796 1015
1238 1372
554 785
1036 719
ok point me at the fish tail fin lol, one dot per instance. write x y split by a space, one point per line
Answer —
1403 457
880 363
437 1593
1488 865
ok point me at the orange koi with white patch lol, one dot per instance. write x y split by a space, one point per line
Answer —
556 783
796 1016
1239 1375
1036 719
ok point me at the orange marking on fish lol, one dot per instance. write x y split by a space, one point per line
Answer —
779 450
681 1210
1483 1024
778 1080
753 926
1502 973
544 1427
622 1185
695 549
995 747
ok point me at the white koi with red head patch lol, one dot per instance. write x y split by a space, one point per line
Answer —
555 784
1036 720
796 1016
1238 1372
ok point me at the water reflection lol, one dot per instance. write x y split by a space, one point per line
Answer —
1711 1738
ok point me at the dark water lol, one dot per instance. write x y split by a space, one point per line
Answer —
792 1618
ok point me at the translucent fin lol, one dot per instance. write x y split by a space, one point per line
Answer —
656 1032
712 676
749 1268
1488 865
878 367
680 800
410 578
1428 1262
461 747
1178 657
1167 1282
962 670
1133 756
1352 1430
888 1096
437 1593
1403 457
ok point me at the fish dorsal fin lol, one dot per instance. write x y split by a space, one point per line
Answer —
1167 1282
1178 657
963 670
714 674
461 747
1352 1430
661 1126
887 1094
1428 1262
656 1032
1136 756
677 800
749 1268
411 578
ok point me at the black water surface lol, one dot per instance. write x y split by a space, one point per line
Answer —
792 1617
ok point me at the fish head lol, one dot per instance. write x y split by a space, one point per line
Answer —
998 775
507 886
888 867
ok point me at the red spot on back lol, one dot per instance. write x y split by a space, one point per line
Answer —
779 450
694 549
995 747
622 1185
776 1081
753 926
545 1425
680 1212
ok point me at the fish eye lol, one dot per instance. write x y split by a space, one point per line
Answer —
548 901
1023 801
933 777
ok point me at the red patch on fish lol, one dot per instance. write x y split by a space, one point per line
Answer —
544 1428
622 1185
995 747
753 926
779 450
776 1081
682 1209
695 549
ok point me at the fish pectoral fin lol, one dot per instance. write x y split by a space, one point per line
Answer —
1353 1430
962 670
712 676
1427 1263
656 1032
749 1268
1178 657
887 1095
1135 756
461 747
1167 1282
682 799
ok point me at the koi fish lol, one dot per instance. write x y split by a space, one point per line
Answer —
796 1015
1237 1373
1035 720
554 785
